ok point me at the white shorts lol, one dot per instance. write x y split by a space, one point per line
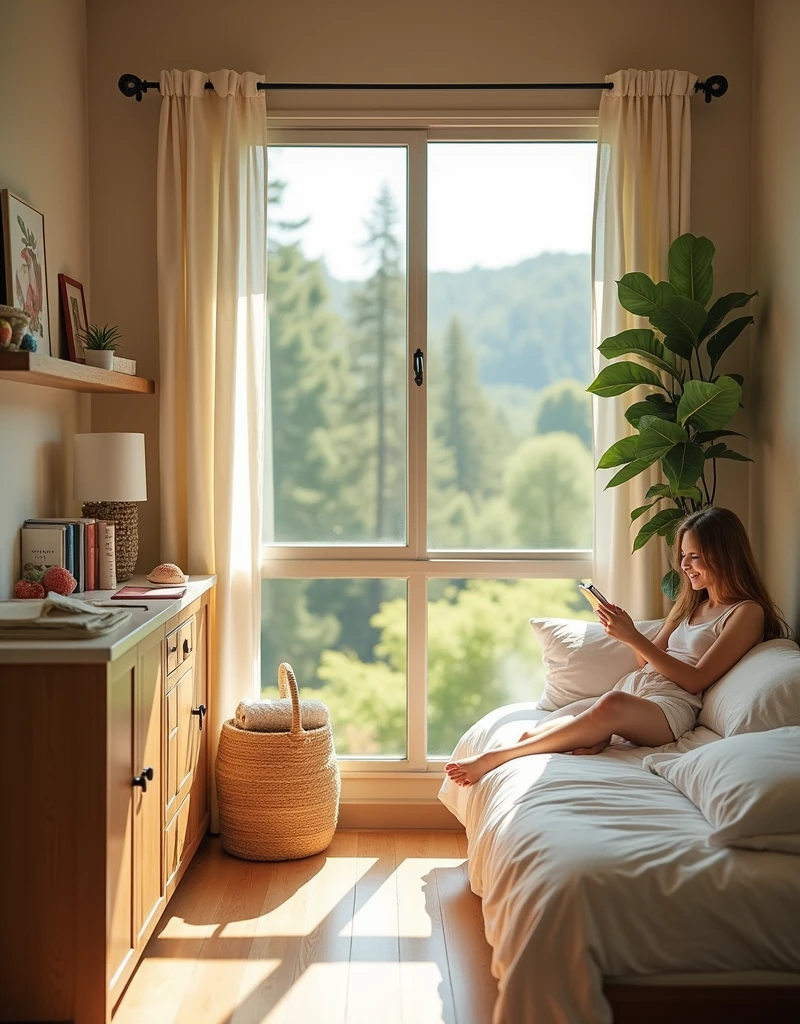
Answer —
680 707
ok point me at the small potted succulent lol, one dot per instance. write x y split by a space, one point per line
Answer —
99 345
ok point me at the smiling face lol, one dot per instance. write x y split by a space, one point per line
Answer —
697 571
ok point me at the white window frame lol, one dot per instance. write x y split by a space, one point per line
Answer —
417 776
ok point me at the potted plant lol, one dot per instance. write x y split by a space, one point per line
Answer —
99 344
680 423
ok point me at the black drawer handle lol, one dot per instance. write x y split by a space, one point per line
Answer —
201 712
187 650
172 650
143 779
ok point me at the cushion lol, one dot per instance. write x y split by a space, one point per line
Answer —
581 660
747 788
762 691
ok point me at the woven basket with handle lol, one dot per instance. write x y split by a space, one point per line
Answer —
278 792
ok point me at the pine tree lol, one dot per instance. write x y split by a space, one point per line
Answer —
378 360
467 424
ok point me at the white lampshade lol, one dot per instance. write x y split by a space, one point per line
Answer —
109 467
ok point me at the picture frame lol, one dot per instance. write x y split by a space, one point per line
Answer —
73 305
25 265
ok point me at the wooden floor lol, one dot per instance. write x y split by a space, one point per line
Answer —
380 929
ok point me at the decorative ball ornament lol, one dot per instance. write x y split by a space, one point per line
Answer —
6 333
26 591
28 343
167 574
60 580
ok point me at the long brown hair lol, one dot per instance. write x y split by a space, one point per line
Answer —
725 547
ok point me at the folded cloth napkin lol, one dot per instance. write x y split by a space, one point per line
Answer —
276 715
57 618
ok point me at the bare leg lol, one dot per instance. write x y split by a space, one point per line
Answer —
635 718
571 710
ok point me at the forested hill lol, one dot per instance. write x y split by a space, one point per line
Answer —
528 324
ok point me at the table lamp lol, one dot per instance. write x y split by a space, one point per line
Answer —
109 478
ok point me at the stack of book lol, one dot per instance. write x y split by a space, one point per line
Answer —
85 547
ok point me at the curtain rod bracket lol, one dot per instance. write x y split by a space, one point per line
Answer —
714 86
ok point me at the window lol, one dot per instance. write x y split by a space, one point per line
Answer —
410 531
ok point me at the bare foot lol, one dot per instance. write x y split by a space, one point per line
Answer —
592 750
468 770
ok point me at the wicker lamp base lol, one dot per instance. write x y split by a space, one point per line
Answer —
125 517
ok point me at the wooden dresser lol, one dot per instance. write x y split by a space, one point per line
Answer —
104 802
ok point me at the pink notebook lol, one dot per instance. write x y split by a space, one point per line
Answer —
149 594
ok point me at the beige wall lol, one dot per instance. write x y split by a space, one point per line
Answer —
43 159
776 271
418 40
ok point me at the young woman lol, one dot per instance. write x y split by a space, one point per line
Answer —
723 609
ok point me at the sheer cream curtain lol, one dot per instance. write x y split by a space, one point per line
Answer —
212 286
641 204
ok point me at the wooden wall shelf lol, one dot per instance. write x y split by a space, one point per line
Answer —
32 368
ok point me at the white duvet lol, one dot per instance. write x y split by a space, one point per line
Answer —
593 867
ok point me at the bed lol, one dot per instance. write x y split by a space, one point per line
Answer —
603 900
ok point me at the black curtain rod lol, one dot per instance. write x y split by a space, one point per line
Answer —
713 87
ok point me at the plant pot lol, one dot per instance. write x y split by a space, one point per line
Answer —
102 357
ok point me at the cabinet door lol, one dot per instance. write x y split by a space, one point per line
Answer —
198 806
180 730
148 804
121 940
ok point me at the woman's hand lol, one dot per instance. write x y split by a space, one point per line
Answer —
618 623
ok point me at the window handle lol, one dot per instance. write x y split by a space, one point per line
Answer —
419 367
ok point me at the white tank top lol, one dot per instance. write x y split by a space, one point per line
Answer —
690 643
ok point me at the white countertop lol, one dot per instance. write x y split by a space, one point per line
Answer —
112 645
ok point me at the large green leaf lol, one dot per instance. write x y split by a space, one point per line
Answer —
683 465
640 511
721 308
691 271
660 521
619 453
628 472
722 451
725 337
667 491
637 294
664 411
643 343
711 435
618 378
657 436
671 584
707 405
684 349
681 321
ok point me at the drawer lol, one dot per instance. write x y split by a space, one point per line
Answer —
173 657
186 640
180 645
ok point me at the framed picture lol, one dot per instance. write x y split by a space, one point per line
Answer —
73 304
25 266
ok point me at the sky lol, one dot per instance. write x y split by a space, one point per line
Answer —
489 204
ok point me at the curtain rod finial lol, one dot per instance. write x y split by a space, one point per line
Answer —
713 87
132 85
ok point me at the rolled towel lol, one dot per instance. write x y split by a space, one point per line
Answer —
276 715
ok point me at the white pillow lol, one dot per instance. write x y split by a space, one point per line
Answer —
762 691
581 660
747 788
